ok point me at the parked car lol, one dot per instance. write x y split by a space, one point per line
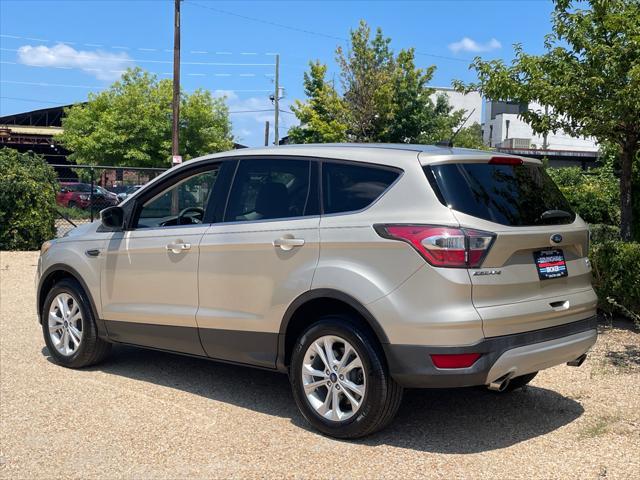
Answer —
359 270
129 190
78 195
109 197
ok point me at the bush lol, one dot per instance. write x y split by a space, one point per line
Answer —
594 194
600 233
27 200
616 277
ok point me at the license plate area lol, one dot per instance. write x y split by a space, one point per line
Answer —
550 263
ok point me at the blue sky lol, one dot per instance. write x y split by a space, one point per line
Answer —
56 52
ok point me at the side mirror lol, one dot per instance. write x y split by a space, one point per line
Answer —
112 218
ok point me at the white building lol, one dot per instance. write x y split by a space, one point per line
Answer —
470 102
503 128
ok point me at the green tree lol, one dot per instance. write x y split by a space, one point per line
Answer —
470 137
366 72
129 124
386 98
589 77
323 116
412 108
441 121
27 200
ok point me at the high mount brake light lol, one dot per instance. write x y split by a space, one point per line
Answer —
442 246
505 161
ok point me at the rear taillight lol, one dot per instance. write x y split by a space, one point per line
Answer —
442 246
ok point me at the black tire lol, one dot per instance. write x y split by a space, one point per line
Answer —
517 383
92 349
382 397
71 204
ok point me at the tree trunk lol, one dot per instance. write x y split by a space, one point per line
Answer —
626 211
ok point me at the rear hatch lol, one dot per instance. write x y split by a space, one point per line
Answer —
536 273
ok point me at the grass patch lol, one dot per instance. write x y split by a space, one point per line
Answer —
600 427
75 213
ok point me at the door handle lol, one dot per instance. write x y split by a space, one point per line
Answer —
288 243
560 306
178 247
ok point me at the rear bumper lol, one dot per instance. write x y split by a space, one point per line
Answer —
516 354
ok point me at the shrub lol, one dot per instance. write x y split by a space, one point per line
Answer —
594 194
603 233
27 200
616 277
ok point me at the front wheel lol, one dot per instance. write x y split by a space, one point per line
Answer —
69 328
340 381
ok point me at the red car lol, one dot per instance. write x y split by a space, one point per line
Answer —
79 195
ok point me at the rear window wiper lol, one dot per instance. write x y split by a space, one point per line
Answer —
555 214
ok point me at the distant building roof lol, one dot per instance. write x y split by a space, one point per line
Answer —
44 117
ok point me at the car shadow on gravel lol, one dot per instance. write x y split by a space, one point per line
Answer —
466 420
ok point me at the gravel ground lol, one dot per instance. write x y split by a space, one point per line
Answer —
145 414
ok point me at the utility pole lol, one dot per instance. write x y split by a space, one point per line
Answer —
276 103
175 141
266 133
176 159
545 142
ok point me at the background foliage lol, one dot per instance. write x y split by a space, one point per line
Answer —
129 124
27 200
385 98
594 194
616 277
588 77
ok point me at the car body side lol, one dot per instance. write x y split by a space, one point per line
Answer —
405 302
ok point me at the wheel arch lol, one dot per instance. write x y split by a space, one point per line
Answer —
319 302
54 274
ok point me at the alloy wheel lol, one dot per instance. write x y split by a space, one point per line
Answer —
65 324
333 378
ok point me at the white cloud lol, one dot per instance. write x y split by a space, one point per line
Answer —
469 45
102 65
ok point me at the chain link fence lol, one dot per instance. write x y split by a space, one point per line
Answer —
84 190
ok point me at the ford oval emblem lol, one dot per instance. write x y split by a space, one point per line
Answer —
556 238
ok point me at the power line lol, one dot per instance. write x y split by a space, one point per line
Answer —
33 100
97 87
309 32
129 48
139 60
268 22
44 84
241 75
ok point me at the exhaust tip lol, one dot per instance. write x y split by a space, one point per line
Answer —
500 384
578 361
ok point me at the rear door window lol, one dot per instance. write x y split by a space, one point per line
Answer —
271 188
514 195
347 188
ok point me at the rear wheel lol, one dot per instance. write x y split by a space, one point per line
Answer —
71 204
69 328
339 379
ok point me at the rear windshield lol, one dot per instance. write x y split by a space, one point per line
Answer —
514 195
